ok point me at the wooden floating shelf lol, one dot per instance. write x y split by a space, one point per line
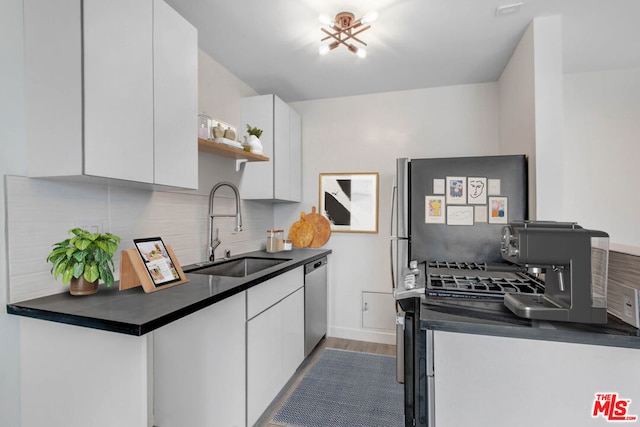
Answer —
229 152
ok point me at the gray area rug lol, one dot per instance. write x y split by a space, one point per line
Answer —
346 388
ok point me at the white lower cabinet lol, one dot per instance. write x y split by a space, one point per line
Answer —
199 367
72 376
275 340
482 380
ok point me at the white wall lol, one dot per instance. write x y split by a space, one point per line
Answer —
530 89
366 134
581 133
550 160
12 160
602 151
516 91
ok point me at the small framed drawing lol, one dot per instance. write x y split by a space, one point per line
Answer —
477 191
480 214
438 186
498 210
459 215
350 201
456 190
434 210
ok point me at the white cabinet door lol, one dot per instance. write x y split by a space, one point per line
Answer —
275 349
257 177
263 361
292 333
280 178
295 153
118 89
199 367
53 87
175 76
281 154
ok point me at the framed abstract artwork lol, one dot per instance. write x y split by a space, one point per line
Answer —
350 201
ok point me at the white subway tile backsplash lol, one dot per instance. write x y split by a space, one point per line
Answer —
40 211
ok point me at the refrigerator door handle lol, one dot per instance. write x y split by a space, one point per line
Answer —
394 193
394 189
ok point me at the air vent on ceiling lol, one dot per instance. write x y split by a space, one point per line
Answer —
508 9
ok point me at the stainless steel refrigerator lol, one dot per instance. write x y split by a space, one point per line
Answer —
447 216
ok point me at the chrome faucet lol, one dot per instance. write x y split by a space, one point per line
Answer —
214 243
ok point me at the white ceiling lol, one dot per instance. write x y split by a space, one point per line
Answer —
272 45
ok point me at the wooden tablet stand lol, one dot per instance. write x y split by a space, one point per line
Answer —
134 273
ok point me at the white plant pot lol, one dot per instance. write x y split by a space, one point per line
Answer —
255 145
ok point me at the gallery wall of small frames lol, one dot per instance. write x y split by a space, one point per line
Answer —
466 200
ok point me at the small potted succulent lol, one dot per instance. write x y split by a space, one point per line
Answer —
255 146
84 259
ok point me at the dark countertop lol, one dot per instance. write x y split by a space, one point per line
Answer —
135 312
485 317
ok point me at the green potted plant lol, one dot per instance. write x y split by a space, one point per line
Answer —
254 131
84 259
255 146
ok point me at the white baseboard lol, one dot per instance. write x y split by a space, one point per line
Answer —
377 336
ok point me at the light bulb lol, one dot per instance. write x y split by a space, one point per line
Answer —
324 49
361 52
369 17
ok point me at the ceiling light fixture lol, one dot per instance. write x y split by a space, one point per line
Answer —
343 30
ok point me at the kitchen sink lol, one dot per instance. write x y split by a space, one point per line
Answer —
239 267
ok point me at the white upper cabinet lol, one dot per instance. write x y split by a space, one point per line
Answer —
118 89
279 179
111 91
175 65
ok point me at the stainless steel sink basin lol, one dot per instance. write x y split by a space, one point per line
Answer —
239 267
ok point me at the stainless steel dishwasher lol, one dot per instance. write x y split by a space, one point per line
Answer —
315 303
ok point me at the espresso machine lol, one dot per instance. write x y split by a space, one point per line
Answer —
573 262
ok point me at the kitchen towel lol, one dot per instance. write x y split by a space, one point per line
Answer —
346 388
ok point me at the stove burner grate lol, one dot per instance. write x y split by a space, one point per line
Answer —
473 279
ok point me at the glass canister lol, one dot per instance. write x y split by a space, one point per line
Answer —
275 240
204 126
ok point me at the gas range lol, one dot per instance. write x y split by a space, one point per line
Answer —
478 280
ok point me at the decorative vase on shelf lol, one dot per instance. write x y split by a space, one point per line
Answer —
255 144
230 134
204 126
218 131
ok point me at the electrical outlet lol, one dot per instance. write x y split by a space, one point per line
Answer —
91 225
630 302
624 303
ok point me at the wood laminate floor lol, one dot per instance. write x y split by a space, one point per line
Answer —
342 344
